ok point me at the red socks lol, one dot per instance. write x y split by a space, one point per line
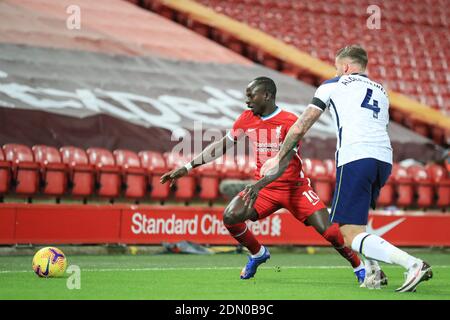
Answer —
334 236
244 236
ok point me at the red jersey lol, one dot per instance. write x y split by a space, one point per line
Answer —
266 135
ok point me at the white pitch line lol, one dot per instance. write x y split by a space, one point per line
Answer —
211 268
185 269
199 268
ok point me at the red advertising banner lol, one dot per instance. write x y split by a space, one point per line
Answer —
204 225
7 224
70 224
131 224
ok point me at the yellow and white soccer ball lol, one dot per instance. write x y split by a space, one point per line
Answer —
49 262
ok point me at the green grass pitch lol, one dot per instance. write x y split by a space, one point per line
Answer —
288 276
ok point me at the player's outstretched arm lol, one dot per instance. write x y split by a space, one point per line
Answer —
299 129
210 153
251 191
295 133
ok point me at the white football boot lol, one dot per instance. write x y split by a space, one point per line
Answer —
374 279
420 271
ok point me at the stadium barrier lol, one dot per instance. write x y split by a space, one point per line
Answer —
145 224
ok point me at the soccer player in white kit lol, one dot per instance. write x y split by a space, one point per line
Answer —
360 108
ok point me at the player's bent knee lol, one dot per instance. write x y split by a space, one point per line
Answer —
235 212
320 221
227 218
232 216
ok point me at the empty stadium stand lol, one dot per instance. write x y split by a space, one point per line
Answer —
25 171
423 187
72 172
396 59
134 177
208 181
418 79
81 173
441 183
107 180
321 180
53 171
387 193
5 174
185 186
155 164
114 131
403 186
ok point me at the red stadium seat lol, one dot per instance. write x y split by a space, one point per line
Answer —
25 170
155 165
309 31
81 173
5 174
321 181
53 171
134 177
403 186
387 193
208 181
441 180
108 180
184 187
422 185
437 172
331 169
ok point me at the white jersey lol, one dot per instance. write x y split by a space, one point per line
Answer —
360 109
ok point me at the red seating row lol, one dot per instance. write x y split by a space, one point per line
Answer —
420 74
99 172
414 186
307 26
74 172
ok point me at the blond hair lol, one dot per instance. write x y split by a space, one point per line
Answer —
356 53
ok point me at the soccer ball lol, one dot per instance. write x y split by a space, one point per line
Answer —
49 262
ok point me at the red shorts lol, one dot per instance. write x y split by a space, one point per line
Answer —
301 201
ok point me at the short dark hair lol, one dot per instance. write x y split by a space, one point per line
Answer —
354 52
267 84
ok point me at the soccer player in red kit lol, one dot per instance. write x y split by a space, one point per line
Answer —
266 125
